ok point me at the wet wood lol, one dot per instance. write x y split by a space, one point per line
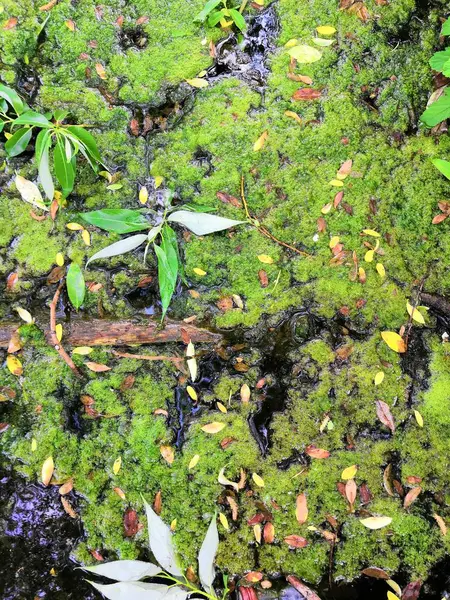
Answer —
105 332
438 303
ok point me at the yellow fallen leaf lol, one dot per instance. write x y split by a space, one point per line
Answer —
349 472
258 480
245 393
120 493
381 270
173 525
336 183
293 115
260 142
221 407
86 237
199 272
52 572
192 393
368 257
100 70
190 350
70 24
143 195
442 526
379 377
14 365
117 464
193 462
291 43
394 585
415 314
334 240
202 73
391 596
223 519
59 332
59 259
167 453
213 427
33 445
47 470
325 30
74 226
158 181
257 533
394 341
326 209
371 232
419 418
82 350
197 82
25 315
376 522
264 258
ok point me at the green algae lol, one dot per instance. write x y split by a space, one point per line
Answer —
286 186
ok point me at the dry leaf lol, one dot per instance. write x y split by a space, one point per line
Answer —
349 472
258 480
269 533
117 464
264 258
47 470
86 237
296 541
245 393
376 522
260 142
442 526
301 509
304 590
412 590
385 415
68 508
345 169
119 492
214 427
48 6
130 522
225 481
167 453
70 24
14 365
14 344
96 367
314 452
394 341
100 70
306 94
350 491
194 461
411 496
375 572
66 488
11 281
257 532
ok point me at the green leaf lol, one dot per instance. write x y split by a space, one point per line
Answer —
443 166
238 19
440 61
202 223
305 54
12 97
446 28
42 139
18 142
121 247
45 176
120 220
209 6
60 114
30 117
76 288
87 140
63 168
207 555
160 540
214 17
167 277
2 124
125 570
323 42
438 111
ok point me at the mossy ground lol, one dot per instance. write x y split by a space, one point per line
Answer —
374 86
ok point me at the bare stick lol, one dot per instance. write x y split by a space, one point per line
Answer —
175 359
54 340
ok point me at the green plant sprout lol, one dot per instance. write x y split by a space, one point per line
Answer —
225 17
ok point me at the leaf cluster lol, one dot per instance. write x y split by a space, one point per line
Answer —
439 110
225 17
57 145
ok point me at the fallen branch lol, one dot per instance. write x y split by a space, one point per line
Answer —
52 333
108 332
438 303
177 360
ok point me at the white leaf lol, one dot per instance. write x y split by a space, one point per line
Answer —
207 555
192 366
202 223
160 538
45 176
132 590
225 481
176 593
153 233
29 192
125 570
120 247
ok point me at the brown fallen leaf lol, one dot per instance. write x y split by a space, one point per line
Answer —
96 554
301 509
338 198
130 522
306 94
228 199
66 488
442 526
439 218
303 589
375 572
127 383
345 169
263 279
97 367
68 508
269 533
234 507
55 275
70 24
10 23
411 496
350 492
6 394
11 281
413 479
157 503
15 343
387 480
227 442
48 6
167 453
100 70
412 590
142 20
119 492
315 452
385 415
296 541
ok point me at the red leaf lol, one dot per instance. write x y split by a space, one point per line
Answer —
130 522
247 593
269 533
315 452
321 224
364 494
258 518
306 94
385 415
10 23
303 589
228 199
375 572
254 576
350 491
134 127
338 198
411 496
412 590
296 541
263 279
413 479
11 281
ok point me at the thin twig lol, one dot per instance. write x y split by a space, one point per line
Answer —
410 320
56 343
175 359
262 229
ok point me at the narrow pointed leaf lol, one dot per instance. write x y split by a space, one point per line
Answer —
132 590
64 170
30 117
12 97
125 570
202 223
45 176
18 142
119 220
207 555
87 139
121 247
76 287
160 539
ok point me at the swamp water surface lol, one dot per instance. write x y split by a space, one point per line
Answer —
311 337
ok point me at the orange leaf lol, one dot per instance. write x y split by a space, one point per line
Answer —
96 367
315 452
306 94
411 496
100 70
301 510
350 491
295 541
70 24
10 23
269 533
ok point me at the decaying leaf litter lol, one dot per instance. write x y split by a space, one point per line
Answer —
334 170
